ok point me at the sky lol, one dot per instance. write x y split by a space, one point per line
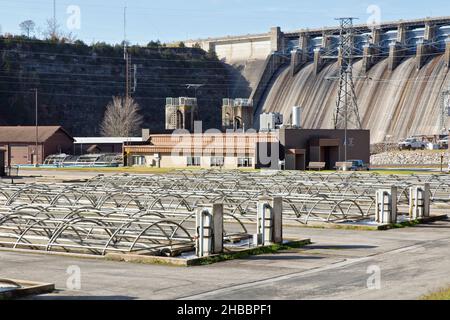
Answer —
174 20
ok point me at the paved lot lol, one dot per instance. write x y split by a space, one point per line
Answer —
413 262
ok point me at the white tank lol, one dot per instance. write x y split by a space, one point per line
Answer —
297 117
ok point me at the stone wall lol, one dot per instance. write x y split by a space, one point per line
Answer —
418 157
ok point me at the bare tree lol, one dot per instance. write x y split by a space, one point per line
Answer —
122 118
53 31
27 27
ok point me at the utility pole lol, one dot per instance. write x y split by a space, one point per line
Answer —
54 20
346 113
130 70
126 56
36 152
194 86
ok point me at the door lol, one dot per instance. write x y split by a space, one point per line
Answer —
19 155
300 162
329 155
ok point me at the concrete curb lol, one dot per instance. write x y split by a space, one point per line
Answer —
171 261
28 288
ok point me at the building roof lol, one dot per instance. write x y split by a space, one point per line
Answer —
25 134
105 140
210 143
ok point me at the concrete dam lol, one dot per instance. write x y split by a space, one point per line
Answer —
400 71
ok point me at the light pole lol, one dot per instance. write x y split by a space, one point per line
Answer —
35 90
196 87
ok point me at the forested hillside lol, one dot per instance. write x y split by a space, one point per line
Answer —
76 81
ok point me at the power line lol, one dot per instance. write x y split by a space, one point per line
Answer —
158 80
181 60
120 84
152 76
95 96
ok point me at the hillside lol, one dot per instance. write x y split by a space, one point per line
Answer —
76 81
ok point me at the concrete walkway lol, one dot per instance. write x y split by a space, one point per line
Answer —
412 262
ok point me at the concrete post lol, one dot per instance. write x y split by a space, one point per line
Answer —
299 57
401 33
424 47
419 202
376 36
318 61
295 60
269 221
209 228
430 31
304 41
368 52
386 206
421 54
371 51
277 216
276 39
394 55
217 227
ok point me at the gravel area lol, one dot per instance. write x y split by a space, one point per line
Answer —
418 157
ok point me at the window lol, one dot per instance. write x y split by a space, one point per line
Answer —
245 163
138 160
227 120
176 120
217 161
193 161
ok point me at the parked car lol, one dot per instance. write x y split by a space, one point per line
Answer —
443 143
358 165
411 144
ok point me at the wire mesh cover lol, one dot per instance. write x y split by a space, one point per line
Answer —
65 160
155 214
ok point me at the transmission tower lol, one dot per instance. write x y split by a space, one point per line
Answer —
346 114
445 109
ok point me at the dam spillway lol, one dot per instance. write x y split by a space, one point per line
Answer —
400 72
391 104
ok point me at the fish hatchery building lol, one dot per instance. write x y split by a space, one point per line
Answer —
206 150
291 148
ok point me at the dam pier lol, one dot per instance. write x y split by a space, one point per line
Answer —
403 67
